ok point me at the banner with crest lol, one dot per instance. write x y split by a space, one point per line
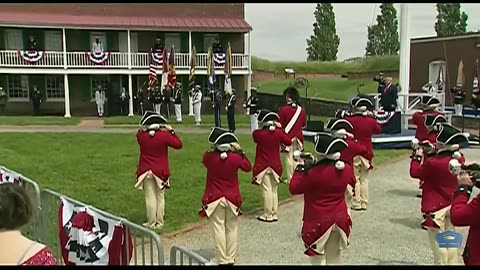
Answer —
31 56
98 58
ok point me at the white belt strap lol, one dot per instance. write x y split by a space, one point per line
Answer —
293 120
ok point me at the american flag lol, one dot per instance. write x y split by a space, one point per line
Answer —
152 74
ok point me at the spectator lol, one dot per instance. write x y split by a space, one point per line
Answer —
389 96
3 101
16 210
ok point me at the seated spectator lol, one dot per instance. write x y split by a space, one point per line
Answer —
16 210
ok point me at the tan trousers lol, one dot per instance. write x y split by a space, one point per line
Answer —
290 163
332 250
442 256
349 198
155 202
225 232
270 196
360 200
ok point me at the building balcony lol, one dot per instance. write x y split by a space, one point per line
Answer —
77 63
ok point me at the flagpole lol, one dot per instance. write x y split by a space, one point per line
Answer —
404 61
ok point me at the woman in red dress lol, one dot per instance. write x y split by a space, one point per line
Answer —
16 210
326 222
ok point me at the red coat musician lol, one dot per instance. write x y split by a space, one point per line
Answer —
293 119
326 222
438 186
364 126
463 213
153 171
430 105
268 165
221 200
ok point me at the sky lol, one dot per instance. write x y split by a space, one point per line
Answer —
280 30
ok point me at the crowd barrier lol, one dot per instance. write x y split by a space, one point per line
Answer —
147 245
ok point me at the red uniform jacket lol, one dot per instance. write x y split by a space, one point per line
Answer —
438 183
154 152
463 213
354 149
222 177
268 150
431 137
421 132
285 114
323 187
363 129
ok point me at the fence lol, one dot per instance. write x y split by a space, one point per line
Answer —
190 255
149 250
33 229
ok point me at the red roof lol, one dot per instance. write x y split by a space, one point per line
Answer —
122 22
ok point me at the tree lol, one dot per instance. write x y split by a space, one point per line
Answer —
323 44
450 20
383 37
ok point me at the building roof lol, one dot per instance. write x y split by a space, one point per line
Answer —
435 38
219 24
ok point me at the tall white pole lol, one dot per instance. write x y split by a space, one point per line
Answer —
404 61
65 77
249 78
130 90
190 105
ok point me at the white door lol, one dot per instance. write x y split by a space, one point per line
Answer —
13 39
53 41
100 35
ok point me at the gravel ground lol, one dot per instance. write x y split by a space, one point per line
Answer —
387 233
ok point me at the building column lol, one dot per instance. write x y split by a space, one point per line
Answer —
65 77
190 105
249 78
130 90
404 62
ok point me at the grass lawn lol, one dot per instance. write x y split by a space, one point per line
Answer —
241 121
99 169
37 120
370 64
334 89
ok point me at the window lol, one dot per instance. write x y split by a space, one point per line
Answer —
102 36
95 82
123 42
18 87
172 39
434 72
53 41
14 39
54 87
208 40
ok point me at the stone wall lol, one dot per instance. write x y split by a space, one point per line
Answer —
370 75
261 76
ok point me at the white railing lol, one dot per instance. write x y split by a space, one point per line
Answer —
116 60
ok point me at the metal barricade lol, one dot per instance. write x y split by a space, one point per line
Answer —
190 255
33 229
148 247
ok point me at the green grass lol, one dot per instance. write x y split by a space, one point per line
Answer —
37 120
334 89
99 169
241 121
371 64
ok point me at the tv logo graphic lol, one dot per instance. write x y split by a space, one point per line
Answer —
449 239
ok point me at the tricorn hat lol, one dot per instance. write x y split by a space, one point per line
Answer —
432 120
358 102
150 118
266 115
292 93
430 100
449 135
325 144
337 124
221 136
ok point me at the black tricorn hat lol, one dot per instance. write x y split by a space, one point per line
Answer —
430 100
150 118
361 102
291 92
221 136
337 124
326 144
431 120
266 115
450 135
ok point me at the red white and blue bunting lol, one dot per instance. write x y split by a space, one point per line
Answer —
158 57
219 59
383 117
31 56
98 58
9 177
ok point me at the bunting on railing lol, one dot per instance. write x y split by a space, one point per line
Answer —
9 177
383 117
98 58
219 59
31 56
157 57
